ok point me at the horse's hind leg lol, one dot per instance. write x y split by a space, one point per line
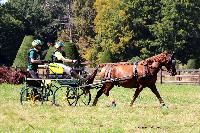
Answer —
155 91
99 93
137 92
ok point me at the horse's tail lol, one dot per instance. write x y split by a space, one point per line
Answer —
90 78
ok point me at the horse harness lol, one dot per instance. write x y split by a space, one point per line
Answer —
109 69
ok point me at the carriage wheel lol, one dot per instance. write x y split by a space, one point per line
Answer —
47 93
28 94
24 95
84 97
72 96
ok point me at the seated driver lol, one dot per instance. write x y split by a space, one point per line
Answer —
58 58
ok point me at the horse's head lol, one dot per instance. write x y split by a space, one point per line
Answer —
170 63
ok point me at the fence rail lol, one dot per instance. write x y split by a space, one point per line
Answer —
184 76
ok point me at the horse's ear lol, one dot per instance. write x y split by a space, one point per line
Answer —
165 52
173 54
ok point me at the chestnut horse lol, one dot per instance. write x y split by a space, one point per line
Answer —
140 75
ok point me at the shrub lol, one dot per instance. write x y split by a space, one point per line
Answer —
8 75
135 59
21 57
49 53
71 51
106 57
4 72
193 64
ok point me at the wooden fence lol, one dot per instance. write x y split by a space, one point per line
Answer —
184 76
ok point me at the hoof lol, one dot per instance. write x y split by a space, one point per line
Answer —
114 104
163 106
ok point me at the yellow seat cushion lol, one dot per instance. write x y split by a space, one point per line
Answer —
55 69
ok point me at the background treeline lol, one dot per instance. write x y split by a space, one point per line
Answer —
105 30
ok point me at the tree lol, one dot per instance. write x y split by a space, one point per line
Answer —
106 57
147 27
11 35
21 59
111 27
24 17
82 18
177 29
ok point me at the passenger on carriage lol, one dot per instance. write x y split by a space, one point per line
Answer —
59 58
34 60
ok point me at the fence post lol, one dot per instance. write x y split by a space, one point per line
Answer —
179 73
199 77
161 76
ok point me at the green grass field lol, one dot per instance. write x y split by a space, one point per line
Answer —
183 114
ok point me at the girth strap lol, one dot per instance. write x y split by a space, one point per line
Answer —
135 72
108 72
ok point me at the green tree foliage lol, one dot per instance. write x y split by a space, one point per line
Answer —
147 27
113 31
11 35
34 15
193 64
21 57
72 53
126 28
83 15
82 18
24 17
106 57
177 29
49 53
166 25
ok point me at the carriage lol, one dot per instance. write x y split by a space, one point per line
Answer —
74 91
57 88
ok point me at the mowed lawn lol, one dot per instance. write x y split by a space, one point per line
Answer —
183 114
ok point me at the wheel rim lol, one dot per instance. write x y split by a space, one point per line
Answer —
72 97
84 97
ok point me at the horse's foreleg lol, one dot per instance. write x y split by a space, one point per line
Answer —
155 91
137 92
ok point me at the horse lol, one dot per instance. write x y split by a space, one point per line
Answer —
138 75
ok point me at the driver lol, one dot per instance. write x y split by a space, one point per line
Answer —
58 57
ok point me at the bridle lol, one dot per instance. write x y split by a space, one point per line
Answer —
171 63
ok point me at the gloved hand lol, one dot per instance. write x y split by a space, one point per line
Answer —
74 61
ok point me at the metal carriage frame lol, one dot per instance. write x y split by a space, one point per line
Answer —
75 91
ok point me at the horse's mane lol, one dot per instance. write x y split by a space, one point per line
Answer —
158 58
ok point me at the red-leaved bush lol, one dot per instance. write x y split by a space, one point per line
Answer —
7 75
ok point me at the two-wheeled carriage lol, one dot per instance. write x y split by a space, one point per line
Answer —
58 89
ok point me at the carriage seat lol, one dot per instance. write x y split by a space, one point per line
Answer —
56 72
